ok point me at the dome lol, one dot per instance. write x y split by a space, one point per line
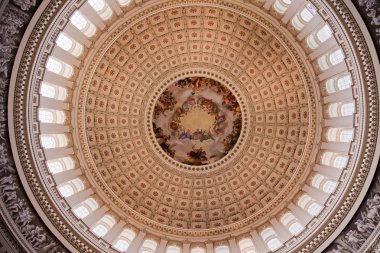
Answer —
195 126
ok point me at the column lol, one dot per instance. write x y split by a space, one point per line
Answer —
209 247
312 25
49 128
114 232
79 197
327 171
292 10
65 56
95 216
66 175
316 194
76 34
335 146
162 246
282 232
323 48
338 96
186 247
332 71
92 16
345 121
303 216
53 78
259 243
54 153
233 246
136 243
52 103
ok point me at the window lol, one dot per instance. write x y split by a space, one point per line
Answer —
246 246
340 162
60 164
336 57
281 5
315 39
347 109
124 240
124 2
149 246
339 134
53 91
198 250
341 109
309 204
314 209
103 225
329 186
69 45
270 238
54 140
85 208
85 26
71 187
338 83
291 223
334 159
173 249
344 82
346 135
51 116
222 249
103 10
304 16
59 67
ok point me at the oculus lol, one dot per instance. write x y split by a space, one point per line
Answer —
197 120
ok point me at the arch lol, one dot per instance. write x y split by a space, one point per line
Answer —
83 24
85 208
103 225
334 159
54 141
291 223
102 8
149 246
270 238
70 45
222 249
246 246
60 164
59 67
309 204
317 38
173 249
124 240
71 187
51 116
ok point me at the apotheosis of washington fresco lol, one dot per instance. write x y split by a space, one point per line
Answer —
197 121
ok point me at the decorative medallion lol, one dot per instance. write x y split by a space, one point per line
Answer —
197 121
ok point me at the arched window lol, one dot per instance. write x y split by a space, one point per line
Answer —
338 83
124 240
103 10
333 159
291 223
149 246
317 38
59 67
53 91
60 164
51 116
304 16
341 109
173 249
309 204
103 225
344 82
198 250
323 183
222 249
83 24
271 239
330 59
71 187
54 140
246 246
70 45
339 134
85 208
281 5
124 2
